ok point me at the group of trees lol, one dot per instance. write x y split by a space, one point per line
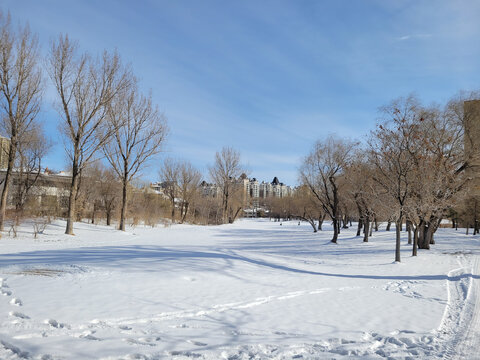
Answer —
181 183
103 113
412 170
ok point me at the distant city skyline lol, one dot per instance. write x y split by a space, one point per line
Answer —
267 78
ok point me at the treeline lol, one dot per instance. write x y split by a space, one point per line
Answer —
412 169
110 130
102 113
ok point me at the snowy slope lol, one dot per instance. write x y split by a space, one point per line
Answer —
251 290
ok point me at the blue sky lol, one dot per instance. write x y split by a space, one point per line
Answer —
268 78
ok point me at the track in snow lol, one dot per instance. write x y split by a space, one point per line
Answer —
460 328
469 340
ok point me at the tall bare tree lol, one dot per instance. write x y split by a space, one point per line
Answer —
321 171
139 130
393 148
170 177
190 179
224 172
85 87
21 87
31 151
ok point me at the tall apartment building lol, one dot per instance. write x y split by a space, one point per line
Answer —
251 188
254 188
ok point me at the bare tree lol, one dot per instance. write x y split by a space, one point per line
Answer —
321 170
224 172
392 148
139 130
85 88
189 181
21 87
31 150
108 191
307 207
363 192
170 177
436 181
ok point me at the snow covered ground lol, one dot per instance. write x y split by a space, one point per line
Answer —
251 290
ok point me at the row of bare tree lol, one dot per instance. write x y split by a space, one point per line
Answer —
103 113
182 186
412 170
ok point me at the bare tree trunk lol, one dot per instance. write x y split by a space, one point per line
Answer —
123 211
6 183
423 238
360 225
397 237
415 241
335 230
320 221
430 233
367 230
93 213
109 217
173 211
71 202
371 229
376 222
185 213
409 229
389 223
311 222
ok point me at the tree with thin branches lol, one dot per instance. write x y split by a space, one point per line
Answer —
321 171
85 87
224 172
21 89
139 130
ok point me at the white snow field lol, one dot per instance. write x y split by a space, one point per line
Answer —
252 290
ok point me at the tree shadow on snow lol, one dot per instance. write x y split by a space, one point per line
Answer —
159 259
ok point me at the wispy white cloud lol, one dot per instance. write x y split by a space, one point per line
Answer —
414 36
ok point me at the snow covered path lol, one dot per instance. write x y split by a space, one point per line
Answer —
251 290
468 335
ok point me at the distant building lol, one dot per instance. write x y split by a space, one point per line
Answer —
49 190
211 190
254 188
265 190
251 189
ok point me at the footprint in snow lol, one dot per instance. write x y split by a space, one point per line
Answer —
89 336
56 324
197 343
141 341
18 315
184 353
16 302
6 292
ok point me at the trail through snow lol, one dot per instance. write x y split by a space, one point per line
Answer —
467 341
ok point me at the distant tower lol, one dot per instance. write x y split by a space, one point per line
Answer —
471 117
4 150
